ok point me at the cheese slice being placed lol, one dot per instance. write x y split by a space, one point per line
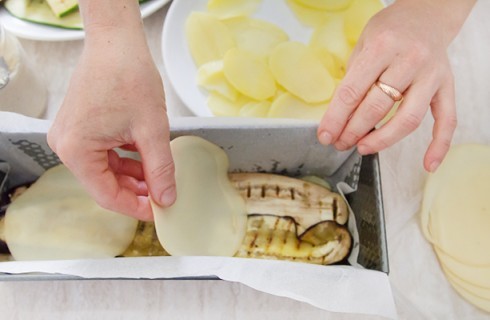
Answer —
209 216
56 219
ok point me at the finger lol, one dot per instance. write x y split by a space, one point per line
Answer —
128 147
408 117
91 167
137 186
376 104
443 109
363 72
153 142
125 166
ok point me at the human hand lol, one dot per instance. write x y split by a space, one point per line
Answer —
116 99
403 46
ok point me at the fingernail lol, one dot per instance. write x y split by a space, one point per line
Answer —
434 165
363 149
168 197
325 138
341 146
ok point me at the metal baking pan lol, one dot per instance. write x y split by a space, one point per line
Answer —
289 148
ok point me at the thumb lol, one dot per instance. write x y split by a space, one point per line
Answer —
153 143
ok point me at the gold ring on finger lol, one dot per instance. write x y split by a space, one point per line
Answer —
391 92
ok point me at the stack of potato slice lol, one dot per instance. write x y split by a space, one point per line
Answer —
456 220
251 67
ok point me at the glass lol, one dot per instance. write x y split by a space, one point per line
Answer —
21 90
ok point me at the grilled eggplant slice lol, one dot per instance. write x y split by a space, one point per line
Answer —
273 237
307 203
288 219
145 242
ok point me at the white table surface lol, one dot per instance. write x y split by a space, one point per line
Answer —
419 286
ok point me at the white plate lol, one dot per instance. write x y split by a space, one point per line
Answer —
179 65
34 31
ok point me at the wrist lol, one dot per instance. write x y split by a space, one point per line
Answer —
447 15
111 20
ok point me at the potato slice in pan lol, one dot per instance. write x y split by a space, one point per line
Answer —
78 228
307 203
209 216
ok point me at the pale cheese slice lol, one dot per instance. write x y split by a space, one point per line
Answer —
456 208
209 216
57 219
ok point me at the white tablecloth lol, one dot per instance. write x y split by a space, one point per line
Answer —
420 288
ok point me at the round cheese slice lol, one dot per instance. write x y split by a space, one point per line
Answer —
209 216
456 208
57 219
478 276
455 217
478 296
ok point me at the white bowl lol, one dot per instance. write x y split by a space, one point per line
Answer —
179 65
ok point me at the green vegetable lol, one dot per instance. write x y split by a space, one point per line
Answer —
62 8
39 11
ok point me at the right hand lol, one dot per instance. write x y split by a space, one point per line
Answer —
116 99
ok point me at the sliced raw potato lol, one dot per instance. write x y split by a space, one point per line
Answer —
334 65
208 38
297 68
331 36
254 35
249 74
307 203
223 107
255 109
289 106
209 216
308 16
357 16
330 5
211 77
232 8
274 237
57 219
